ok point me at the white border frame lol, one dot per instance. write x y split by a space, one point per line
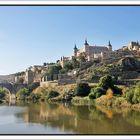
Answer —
68 2
69 137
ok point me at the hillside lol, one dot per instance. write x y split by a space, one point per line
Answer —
9 78
125 68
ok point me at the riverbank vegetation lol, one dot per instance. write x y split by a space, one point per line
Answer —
107 94
4 94
104 93
133 94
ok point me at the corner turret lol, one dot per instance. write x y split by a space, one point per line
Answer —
75 51
109 46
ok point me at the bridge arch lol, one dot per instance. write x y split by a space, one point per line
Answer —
12 88
8 93
7 86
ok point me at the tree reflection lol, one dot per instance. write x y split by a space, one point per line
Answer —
83 119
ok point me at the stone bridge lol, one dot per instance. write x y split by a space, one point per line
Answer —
12 87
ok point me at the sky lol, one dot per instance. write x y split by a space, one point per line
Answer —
32 35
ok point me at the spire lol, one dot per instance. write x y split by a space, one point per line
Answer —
75 48
109 44
137 42
86 42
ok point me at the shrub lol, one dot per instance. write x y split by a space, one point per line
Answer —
54 69
2 93
35 97
138 84
82 89
116 90
133 95
136 95
106 82
33 86
23 93
68 66
109 93
97 92
52 94
92 95
129 95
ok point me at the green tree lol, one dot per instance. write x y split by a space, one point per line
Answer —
52 94
75 63
97 92
33 86
44 64
82 89
63 71
23 93
68 66
82 57
54 69
106 82
133 94
20 73
35 97
2 93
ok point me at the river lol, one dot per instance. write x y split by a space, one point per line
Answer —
45 118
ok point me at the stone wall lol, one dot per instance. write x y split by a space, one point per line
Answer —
47 84
66 81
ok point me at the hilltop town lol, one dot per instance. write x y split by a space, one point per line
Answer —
87 63
93 73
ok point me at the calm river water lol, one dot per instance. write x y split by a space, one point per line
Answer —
44 118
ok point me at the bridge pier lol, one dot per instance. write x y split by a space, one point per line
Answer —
12 96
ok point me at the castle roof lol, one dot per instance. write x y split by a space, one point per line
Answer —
109 44
75 47
134 43
98 49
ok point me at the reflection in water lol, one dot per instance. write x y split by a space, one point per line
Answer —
83 119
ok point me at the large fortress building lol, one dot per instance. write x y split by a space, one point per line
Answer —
94 52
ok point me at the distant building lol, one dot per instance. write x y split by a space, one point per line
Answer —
29 76
18 79
94 52
38 69
134 46
63 60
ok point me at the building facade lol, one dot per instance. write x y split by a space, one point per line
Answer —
94 52
29 76
63 60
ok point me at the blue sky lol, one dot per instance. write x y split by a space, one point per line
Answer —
32 35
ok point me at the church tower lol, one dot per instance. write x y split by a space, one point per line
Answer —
75 51
109 46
